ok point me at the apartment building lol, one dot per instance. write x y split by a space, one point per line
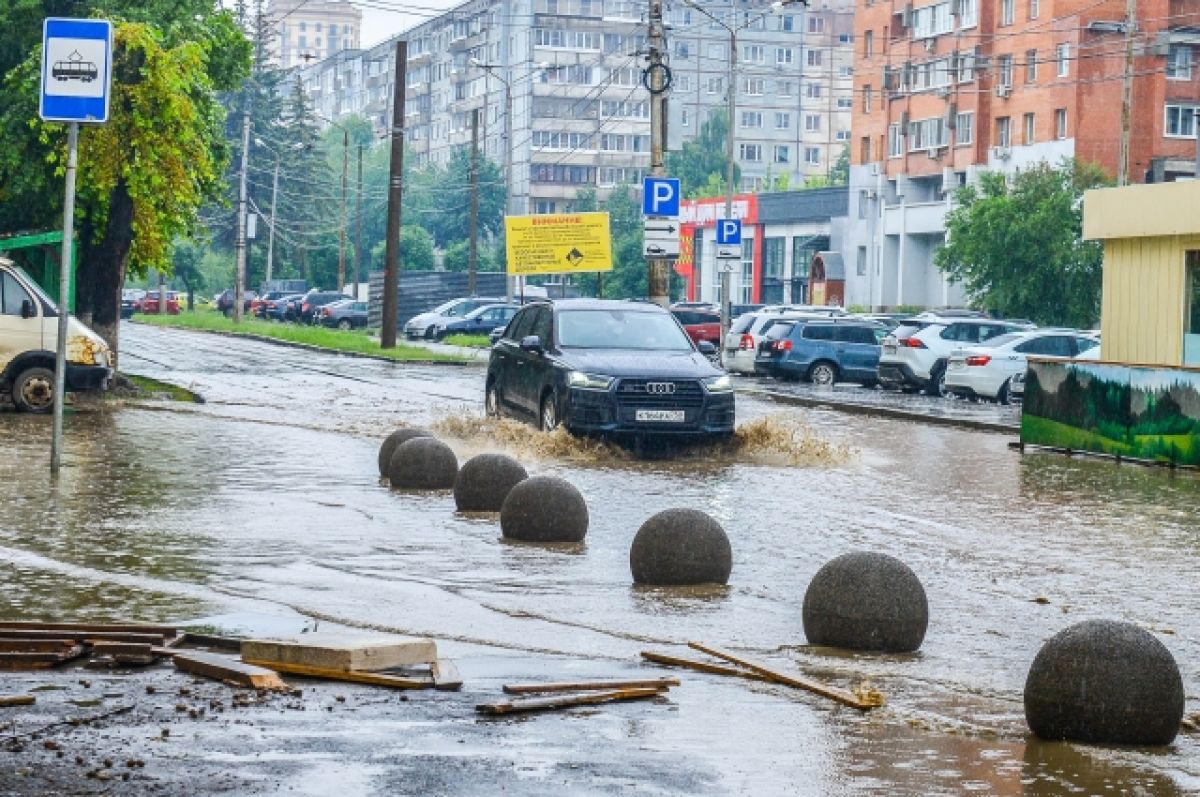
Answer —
306 31
947 88
571 70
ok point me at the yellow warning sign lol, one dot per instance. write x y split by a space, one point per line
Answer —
558 243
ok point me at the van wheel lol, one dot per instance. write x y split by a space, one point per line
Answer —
345 325
549 414
33 390
823 374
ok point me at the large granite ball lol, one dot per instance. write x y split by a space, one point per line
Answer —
394 439
423 463
1105 682
866 601
544 509
485 481
680 546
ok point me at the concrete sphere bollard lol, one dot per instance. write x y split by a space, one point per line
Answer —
866 601
394 439
1105 682
423 463
678 547
485 481
544 509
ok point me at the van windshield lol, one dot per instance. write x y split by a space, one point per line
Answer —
37 289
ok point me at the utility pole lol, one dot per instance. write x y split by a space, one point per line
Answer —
391 273
731 109
658 277
358 232
239 287
473 234
271 231
1126 95
345 219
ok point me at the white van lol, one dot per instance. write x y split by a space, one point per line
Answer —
29 338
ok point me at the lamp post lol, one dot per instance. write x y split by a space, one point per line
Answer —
731 109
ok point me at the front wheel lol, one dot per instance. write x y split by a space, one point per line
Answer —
822 374
491 401
345 325
33 390
549 414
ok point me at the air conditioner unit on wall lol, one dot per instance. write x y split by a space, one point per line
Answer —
1003 91
934 152
1001 153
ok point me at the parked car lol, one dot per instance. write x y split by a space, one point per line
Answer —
258 305
809 309
131 301
915 354
608 367
699 323
314 300
747 331
277 309
28 341
888 320
149 303
225 301
479 321
425 325
989 369
345 315
822 350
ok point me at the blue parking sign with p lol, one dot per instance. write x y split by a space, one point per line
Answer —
76 69
660 197
729 231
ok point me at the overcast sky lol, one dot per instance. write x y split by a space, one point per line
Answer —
379 25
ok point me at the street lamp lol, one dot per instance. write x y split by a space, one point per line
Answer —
731 97
258 142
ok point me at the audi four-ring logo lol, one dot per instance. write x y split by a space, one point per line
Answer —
660 388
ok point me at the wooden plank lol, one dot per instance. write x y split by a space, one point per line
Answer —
231 671
7 701
125 652
81 636
369 678
211 641
701 666
587 686
350 651
842 696
35 645
116 628
39 661
566 701
445 675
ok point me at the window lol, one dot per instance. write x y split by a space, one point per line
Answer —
750 152
783 120
842 135
861 261
964 128
716 53
845 103
715 85
303 26
1062 54
753 86
812 90
931 21
685 118
812 156
816 24
1006 12
1179 62
783 153
1060 123
968 13
319 28
1003 132
783 88
869 44
787 23
783 56
1031 66
12 295
866 99
1181 121
864 149
801 256
814 57
681 50
927 133
773 250
752 119
1191 309
1006 70
1035 8
1029 128
895 141
752 53
812 123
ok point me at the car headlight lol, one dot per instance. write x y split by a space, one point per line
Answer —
719 384
580 379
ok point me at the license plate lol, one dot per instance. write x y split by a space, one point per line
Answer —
889 348
661 416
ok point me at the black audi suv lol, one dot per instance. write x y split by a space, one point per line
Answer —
608 367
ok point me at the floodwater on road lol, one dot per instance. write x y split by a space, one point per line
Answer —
267 499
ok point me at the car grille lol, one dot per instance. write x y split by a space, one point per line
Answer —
647 393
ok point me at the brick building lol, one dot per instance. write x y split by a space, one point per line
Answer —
946 88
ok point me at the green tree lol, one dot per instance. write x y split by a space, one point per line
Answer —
700 164
185 262
457 257
840 173
1017 246
416 250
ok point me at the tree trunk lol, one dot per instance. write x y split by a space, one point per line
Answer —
102 268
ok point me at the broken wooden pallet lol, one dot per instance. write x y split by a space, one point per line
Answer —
116 628
446 676
230 671
40 659
567 701
139 653
82 636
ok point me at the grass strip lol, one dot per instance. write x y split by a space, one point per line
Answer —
352 341
469 341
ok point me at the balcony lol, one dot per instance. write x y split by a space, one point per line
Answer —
916 219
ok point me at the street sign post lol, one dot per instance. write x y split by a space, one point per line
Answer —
729 239
661 239
76 65
660 197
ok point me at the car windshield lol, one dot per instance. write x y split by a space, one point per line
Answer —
1001 340
37 289
620 329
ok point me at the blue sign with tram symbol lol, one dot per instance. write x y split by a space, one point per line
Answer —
76 70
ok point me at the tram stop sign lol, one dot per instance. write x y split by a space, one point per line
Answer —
76 70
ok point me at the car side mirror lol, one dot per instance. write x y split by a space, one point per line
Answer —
27 309
532 343
706 348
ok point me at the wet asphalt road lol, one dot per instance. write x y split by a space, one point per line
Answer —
264 503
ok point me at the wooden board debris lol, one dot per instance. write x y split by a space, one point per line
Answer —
8 701
337 651
369 678
81 636
126 652
35 645
588 686
117 628
566 701
445 675
39 660
701 666
842 696
231 671
211 641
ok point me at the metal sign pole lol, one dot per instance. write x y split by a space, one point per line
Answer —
64 294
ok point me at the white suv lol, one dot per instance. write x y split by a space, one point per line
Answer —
915 354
